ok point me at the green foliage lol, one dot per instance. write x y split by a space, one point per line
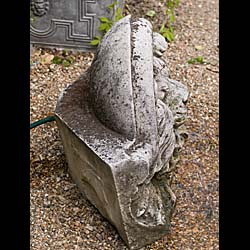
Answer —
151 13
104 19
171 4
198 59
167 29
70 59
96 40
57 60
106 24
168 33
112 6
211 147
118 14
65 61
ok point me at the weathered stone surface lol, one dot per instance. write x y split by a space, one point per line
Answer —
68 23
122 128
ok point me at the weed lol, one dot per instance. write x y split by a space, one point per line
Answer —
168 33
65 61
96 40
106 23
167 29
57 60
198 59
151 13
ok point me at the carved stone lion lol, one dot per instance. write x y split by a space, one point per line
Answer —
122 126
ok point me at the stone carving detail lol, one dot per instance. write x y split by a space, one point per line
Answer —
122 126
39 7
68 24
149 206
55 22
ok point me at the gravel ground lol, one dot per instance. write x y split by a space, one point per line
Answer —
60 217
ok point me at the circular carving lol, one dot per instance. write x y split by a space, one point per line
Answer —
39 7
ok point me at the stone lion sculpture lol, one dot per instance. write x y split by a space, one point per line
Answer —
122 127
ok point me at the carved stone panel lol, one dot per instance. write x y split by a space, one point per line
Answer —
67 23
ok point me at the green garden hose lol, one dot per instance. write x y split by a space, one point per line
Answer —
42 121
